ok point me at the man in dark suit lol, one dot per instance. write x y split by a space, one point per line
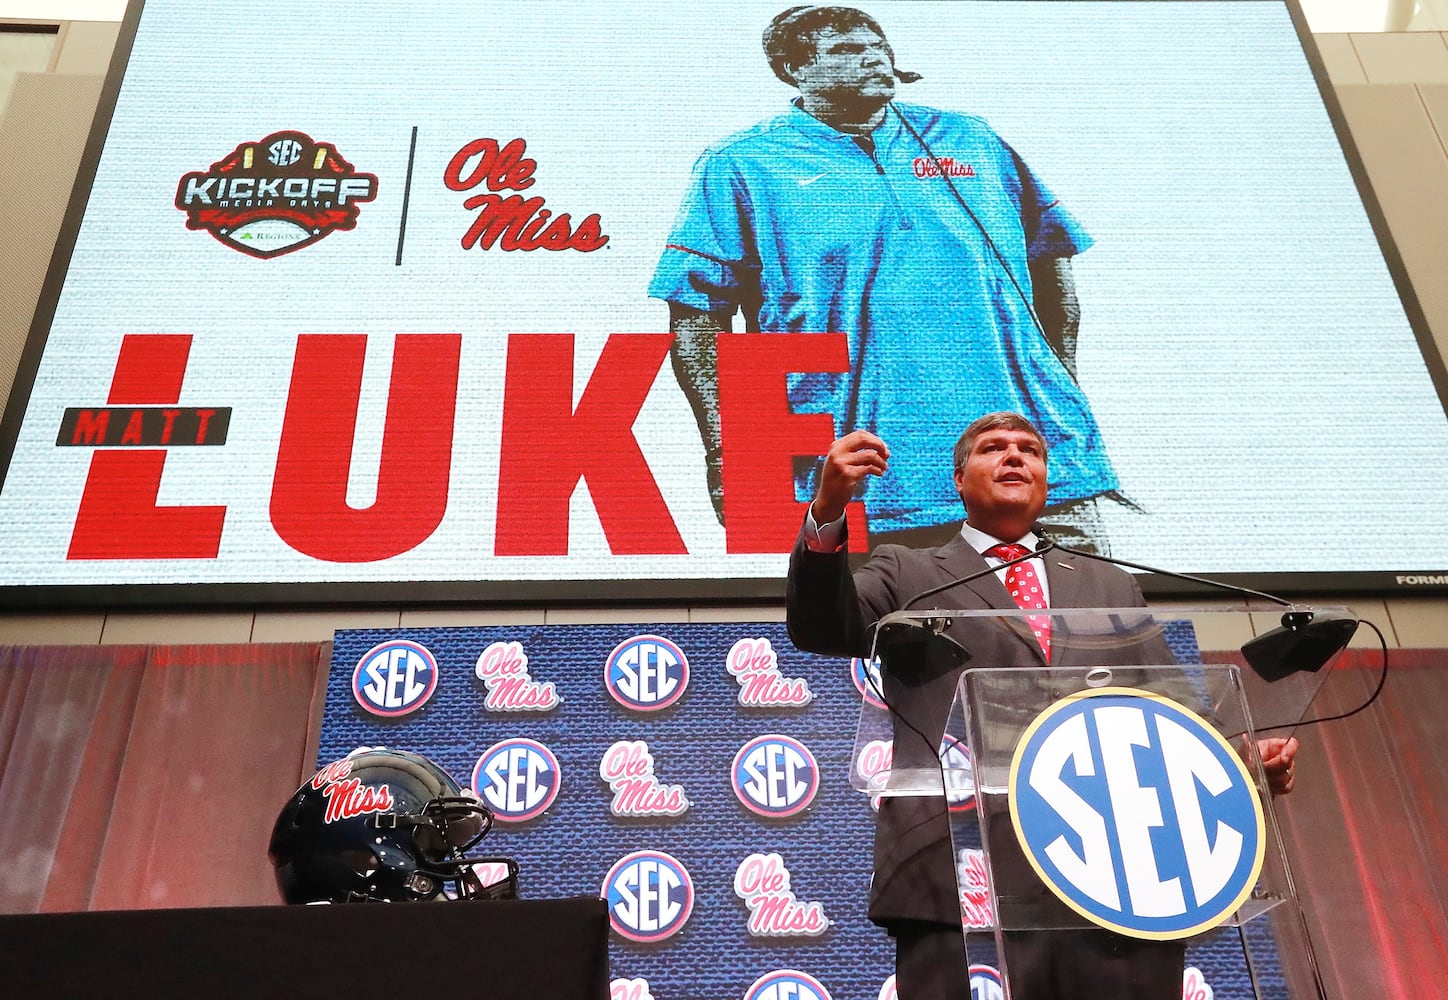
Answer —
1000 473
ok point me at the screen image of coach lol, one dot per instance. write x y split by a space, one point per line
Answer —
385 826
856 214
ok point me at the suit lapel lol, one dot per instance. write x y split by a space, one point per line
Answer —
1065 581
957 558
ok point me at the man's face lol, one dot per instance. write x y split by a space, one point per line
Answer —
848 66
1003 480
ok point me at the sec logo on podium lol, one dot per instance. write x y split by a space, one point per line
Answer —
1137 813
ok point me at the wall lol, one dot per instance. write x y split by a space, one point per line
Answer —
1393 89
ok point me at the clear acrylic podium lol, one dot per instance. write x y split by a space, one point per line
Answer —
952 694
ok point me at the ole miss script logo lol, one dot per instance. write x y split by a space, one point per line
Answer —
275 195
346 797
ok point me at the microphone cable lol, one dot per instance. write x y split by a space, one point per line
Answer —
1382 681
1382 640
939 747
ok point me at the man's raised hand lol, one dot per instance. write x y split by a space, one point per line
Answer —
850 459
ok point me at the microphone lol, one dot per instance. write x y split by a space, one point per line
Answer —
1305 640
895 626
1042 548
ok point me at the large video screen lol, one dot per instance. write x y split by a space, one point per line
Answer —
430 301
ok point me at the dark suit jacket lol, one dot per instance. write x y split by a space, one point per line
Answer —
830 611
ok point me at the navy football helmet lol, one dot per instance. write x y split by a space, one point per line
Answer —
384 825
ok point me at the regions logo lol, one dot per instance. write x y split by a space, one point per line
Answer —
754 664
395 678
649 895
762 881
628 767
866 675
775 776
787 984
646 673
977 912
503 669
275 195
985 983
345 795
518 779
1117 773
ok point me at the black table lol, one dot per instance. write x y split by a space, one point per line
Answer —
497 949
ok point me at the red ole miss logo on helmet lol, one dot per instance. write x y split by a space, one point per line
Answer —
275 195
346 796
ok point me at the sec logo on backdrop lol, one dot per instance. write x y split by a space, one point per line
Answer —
787 984
518 779
775 776
985 983
394 678
1136 813
646 673
650 896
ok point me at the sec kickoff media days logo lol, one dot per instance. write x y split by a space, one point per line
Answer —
395 678
518 779
1118 773
275 195
650 896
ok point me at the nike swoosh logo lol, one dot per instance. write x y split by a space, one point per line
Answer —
806 181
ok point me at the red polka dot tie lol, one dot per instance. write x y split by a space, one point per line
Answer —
1025 590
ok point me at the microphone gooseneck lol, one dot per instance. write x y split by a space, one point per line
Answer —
1041 549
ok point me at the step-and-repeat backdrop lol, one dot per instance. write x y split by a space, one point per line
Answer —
695 775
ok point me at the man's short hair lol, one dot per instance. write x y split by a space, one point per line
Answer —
1001 420
790 38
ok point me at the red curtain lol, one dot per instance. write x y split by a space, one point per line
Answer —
136 777
1366 829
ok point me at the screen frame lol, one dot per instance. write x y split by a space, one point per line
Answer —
641 592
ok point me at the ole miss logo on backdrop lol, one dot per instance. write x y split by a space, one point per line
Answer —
518 779
395 678
275 195
1136 813
646 673
650 896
